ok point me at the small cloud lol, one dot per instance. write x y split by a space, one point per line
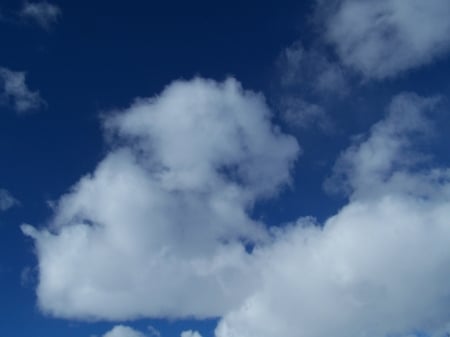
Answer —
190 333
123 331
7 201
13 90
42 13
381 39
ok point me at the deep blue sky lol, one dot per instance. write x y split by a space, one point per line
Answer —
101 55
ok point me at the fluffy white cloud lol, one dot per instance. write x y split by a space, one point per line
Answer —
7 200
123 331
381 38
14 90
380 267
159 229
43 13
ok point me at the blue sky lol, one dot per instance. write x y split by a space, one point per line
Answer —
253 169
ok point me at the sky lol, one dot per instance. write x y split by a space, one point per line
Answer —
236 169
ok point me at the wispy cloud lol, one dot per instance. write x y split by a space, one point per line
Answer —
311 71
299 113
14 91
7 201
42 13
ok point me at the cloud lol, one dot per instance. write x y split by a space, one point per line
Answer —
43 13
383 38
13 90
190 333
161 228
379 267
123 331
7 201
388 150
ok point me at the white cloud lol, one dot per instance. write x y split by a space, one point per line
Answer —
7 201
382 38
159 228
190 333
377 268
13 90
43 13
123 331
387 151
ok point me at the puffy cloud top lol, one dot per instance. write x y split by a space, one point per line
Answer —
160 227
123 331
382 38
380 267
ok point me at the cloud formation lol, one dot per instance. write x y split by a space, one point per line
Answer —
42 13
123 331
14 91
382 38
380 267
161 228
7 201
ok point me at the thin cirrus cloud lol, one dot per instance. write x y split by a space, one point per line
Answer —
383 38
42 13
15 92
161 227
379 267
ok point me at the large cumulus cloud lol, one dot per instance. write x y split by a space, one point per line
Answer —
160 227
381 265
